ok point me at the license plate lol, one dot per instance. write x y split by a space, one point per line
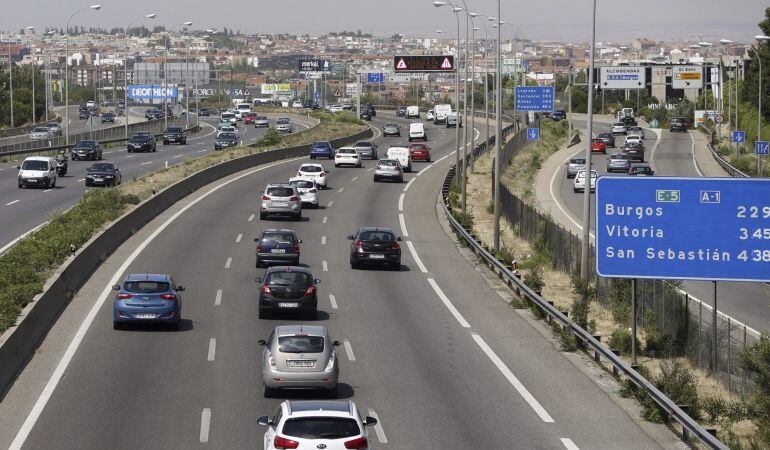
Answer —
144 316
377 256
278 250
301 363
288 304
31 181
98 179
280 204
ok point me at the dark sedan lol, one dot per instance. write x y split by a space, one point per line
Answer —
277 246
225 140
634 151
641 170
108 117
103 174
142 141
175 134
87 150
401 111
608 138
372 245
288 289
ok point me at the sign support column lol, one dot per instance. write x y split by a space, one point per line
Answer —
714 339
633 321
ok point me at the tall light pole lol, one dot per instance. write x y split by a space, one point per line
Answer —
456 10
125 67
165 73
499 128
586 248
760 38
10 75
486 81
66 71
473 82
34 113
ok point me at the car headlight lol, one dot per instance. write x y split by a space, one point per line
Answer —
109 176
89 176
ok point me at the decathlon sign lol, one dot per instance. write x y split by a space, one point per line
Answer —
147 92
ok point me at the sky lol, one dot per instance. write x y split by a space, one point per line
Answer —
557 20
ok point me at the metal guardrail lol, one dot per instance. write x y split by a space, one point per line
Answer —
689 426
726 165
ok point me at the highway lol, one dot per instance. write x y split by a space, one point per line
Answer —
432 350
22 210
671 154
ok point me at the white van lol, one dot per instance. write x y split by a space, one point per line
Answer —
417 132
37 171
452 120
402 155
243 108
412 112
441 112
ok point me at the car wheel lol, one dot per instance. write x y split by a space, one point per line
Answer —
53 185
336 165
401 179
262 314
176 325
262 216
312 315
396 265
117 325
298 217
332 393
21 186
259 264
376 180
312 157
269 392
575 189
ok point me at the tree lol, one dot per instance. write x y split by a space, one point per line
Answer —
751 86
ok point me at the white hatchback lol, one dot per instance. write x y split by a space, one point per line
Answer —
308 190
316 172
347 156
580 181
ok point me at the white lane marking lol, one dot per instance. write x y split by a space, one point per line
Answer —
403 225
459 317
11 203
333 301
218 298
82 179
201 151
131 156
238 238
568 444
205 424
212 349
416 257
330 204
349 350
338 190
323 240
325 219
58 373
229 261
48 190
378 428
325 266
145 163
251 217
533 403
409 184
370 169
401 201
354 179
692 151
440 159
13 242
178 156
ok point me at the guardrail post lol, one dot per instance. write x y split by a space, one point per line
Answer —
615 371
685 433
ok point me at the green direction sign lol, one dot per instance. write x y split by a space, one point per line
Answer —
667 196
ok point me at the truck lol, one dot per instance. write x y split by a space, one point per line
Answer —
441 112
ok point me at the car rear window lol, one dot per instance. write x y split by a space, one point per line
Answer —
301 344
288 279
310 169
40 130
277 237
175 130
321 428
577 161
321 145
379 236
141 135
280 191
304 184
618 156
347 151
363 144
388 162
228 136
145 287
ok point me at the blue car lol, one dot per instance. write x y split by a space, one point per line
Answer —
322 149
147 298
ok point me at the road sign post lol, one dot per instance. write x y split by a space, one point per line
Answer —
315 65
761 148
534 98
739 137
533 134
687 77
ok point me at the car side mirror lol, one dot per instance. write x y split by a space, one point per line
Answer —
369 421
336 343
18 167
258 280
262 342
351 237
256 239
180 288
299 241
116 287
399 239
263 420
317 281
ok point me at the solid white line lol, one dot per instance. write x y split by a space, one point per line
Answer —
13 242
218 298
82 179
145 163
333 301
212 349
205 424
440 159
238 238
409 184
229 261
354 179
416 257
58 373
533 403
48 190
692 151
323 240
330 204
251 217
11 203
403 225
325 219
325 266
349 350
463 323
370 169
338 190
178 156
401 202
201 151
568 444
131 156
556 199
378 428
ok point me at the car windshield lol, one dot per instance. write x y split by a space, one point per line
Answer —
597 141
141 136
86 144
288 279
321 428
280 191
40 130
283 121
145 287
102 167
376 236
175 130
304 184
391 125
363 144
310 169
261 118
301 344
228 136
52 125
277 237
34 165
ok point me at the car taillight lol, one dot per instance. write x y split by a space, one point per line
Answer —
293 198
313 190
259 247
266 290
265 197
359 246
359 443
395 246
270 359
282 442
299 174
168 296
124 296
310 290
322 174
296 248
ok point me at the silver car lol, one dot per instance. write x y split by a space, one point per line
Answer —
366 149
280 199
261 122
54 127
300 357
283 124
391 129
618 162
388 169
574 166
39 133
618 128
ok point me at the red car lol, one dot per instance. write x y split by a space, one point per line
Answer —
419 152
249 118
598 145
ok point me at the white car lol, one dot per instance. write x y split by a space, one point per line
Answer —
312 424
336 108
297 105
229 116
347 156
238 114
402 155
308 190
37 171
633 139
227 130
636 131
429 115
316 172
618 128
580 181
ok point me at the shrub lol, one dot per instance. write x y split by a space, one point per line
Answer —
677 381
621 340
584 294
619 296
534 279
465 219
271 137
755 359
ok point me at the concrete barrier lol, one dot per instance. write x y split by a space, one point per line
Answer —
18 343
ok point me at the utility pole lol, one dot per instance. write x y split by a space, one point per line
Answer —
586 243
569 102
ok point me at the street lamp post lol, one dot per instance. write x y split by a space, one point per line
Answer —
586 244
486 82
34 112
760 38
165 73
455 10
10 75
499 130
66 71
125 68
473 84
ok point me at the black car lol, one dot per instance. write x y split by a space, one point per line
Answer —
366 115
142 141
288 289
642 170
225 140
103 174
308 104
635 152
84 114
608 139
373 245
678 124
87 150
558 115
629 121
175 134
108 117
401 111
204 112
371 109
277 246
153 114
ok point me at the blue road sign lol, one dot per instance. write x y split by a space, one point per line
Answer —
533 134
683 228
375 77
317 95
739 136
534 98
762 148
